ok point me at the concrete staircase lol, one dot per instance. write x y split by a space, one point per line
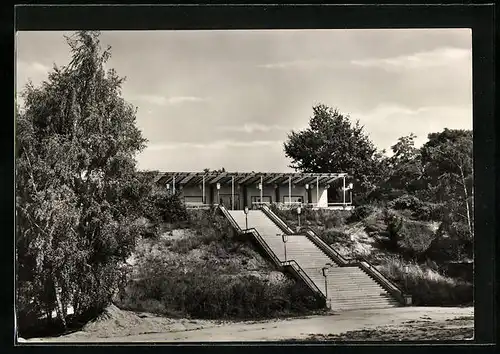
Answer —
346 287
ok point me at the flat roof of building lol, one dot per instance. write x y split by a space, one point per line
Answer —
247 178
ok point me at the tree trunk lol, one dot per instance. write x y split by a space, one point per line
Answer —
59 308
472 202
466 194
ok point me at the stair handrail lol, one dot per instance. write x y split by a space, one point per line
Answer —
292 264
394 289
358 261
277 220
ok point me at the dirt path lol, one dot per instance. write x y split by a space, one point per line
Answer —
405 320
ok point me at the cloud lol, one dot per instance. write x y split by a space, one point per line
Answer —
388 121
31 68
437 57
164 101
252 127
297 64
220 144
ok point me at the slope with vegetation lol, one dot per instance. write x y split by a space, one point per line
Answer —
199 268
414 210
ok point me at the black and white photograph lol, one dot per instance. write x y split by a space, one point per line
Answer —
258 185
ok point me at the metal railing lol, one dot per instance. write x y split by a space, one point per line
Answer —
288 264
359 261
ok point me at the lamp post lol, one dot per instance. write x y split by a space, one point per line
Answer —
246 218
406 270
218 193
168 188
299 210
324 270
350 187
307 192
284 238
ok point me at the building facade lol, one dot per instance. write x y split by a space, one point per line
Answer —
239 190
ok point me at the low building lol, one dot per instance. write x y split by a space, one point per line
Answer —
237 190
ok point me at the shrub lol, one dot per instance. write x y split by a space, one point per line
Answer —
427 286
421 210
161 206
317 219
331 236
405 202
210 225
211 295
360 212
415 236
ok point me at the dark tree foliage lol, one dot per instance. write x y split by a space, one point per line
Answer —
78 193
449 173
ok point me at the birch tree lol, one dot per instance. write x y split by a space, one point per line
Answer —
77 189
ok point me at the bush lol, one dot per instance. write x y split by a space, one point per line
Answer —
405 202
211 295
161 206
421 210
360 212
407 237
315 218
426 285
331 236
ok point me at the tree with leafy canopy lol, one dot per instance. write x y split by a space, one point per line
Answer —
449 171
405 166
332 143
78 192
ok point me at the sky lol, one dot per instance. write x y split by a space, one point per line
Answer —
212 99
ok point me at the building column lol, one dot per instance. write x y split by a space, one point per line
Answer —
343 190
261 189
204 196
245 196
212 194
290 190
317 190
232 193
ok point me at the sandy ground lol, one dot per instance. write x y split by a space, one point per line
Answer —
404 323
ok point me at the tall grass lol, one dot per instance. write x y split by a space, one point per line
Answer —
169 281
426 285
322 218
204 294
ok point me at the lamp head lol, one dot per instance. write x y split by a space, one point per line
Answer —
218 185
168 185
307 185
246 210
299 210
350 186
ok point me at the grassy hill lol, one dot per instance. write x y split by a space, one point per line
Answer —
407 250
201 269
